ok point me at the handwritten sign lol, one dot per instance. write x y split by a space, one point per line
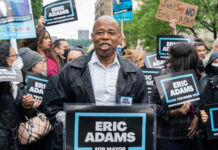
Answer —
172 9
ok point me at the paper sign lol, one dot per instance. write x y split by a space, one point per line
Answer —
122 10
149 75
177 88
212 122
7 74
35 85
16 20
109 127
151 61
172 9
165 41
58 12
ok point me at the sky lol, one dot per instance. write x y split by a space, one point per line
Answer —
86 16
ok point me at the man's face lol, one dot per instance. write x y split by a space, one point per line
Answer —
105 37
63 45
201 51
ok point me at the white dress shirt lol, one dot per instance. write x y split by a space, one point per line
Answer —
104 80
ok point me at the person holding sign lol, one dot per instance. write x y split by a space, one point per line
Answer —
8 108
209 93
43 45
101 77
176 127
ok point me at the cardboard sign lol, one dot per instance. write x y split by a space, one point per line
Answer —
36 85
7 74
149 75
16 20
58 12
110 127
151 61
177 88
165 41
212 122
122 10
173 9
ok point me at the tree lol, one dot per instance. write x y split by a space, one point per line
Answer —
37 6
145 26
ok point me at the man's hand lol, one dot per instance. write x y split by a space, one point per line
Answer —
41 21
183 110
204 116
193 127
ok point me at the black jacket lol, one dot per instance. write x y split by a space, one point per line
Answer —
75 86
8 119
209 83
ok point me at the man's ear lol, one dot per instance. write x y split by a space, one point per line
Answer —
92 35
56 49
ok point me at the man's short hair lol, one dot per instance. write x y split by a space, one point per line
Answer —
57 43
78 49
198 42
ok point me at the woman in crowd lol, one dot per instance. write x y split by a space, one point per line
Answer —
32 65
209 93
175 128
43 45
8 110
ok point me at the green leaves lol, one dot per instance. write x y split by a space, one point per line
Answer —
145 26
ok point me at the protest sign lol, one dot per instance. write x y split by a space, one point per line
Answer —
110 127
58 12
149 75
35 85
165 41
10 74
212 122
172 9
177 88
122 10
151 61
16 20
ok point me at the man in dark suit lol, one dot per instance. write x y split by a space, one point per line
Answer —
6 10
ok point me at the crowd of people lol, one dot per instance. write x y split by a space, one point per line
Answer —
103 77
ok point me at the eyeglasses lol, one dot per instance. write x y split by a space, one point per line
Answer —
13 55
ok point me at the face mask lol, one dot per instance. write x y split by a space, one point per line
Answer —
18 64
66 51
214 65
44 73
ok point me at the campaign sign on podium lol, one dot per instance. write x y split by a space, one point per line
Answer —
177 88
92 127
212 122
